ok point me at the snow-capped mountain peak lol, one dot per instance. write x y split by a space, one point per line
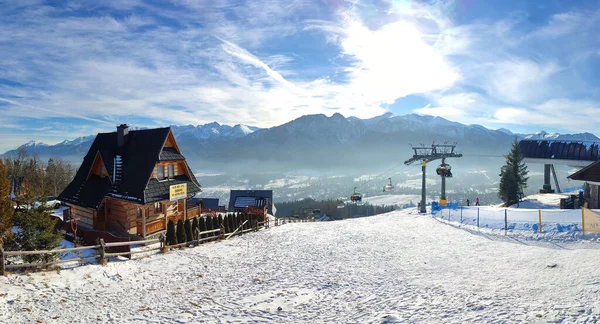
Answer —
34 144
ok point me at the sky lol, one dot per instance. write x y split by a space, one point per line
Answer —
75 68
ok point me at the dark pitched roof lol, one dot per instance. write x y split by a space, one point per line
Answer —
132 181
170 154
589 173
560 149
242 198
159 190
89 194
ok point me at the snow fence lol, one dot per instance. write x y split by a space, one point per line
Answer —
535 220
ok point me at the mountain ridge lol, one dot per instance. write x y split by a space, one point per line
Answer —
316 142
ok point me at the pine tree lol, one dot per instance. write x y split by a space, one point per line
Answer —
195 227
180 232
202 223
513 176
187 226
216 224
171 239
6 207
37 232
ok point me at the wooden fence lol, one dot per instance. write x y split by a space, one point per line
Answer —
103 250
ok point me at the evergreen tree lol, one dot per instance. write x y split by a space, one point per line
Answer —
187 225
202 223
513 176
171 239
226 224
6 207
194 227
37 232
209 225
509 187
180 232
215 220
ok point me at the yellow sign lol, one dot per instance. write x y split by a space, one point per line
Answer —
178 191
590 221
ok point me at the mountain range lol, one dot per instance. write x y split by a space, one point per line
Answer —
318 142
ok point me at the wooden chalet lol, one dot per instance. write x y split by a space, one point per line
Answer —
132 182
591 175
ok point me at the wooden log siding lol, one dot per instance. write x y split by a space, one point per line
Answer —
178 168
193 212
85 216
123 213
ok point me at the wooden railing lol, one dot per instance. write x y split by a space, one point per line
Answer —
193 212
103 249
151 227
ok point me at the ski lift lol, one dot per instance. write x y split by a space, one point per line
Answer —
356 196
444 170
388 187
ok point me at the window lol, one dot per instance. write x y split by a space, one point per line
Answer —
171 171
139 212
157 207
161 172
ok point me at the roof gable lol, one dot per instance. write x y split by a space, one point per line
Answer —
589 173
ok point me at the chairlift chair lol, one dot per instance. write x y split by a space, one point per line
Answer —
444 170
356 196
388 187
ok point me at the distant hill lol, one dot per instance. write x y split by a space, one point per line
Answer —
318 142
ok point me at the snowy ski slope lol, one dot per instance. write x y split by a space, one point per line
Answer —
396 267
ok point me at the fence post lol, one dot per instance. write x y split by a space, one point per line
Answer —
505 221
540 218
102 252
1 259
582 220
477 217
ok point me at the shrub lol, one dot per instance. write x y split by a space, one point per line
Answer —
194 227
202 222
36 232
221 222
180 232
215 220
171 239
187 226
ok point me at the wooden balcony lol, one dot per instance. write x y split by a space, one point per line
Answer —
151 227
193 212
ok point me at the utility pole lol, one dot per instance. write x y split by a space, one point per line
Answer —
427 154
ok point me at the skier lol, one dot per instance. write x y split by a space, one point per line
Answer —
468 203
477 201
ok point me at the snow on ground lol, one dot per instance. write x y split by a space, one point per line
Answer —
543 201
391 199
396 267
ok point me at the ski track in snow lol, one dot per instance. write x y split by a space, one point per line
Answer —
396 267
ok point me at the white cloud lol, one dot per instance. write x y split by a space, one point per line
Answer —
222 61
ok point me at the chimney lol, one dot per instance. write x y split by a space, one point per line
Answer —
122 131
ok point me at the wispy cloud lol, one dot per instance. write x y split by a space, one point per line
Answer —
266 62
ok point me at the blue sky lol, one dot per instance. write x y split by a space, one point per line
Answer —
74 68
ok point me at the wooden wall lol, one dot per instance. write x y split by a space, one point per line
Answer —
594 199
122 214
178 168
85 215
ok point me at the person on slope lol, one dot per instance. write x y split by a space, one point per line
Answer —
477 201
